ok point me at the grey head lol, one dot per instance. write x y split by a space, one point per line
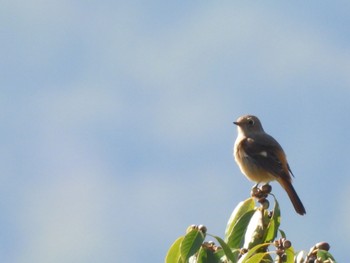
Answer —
249 124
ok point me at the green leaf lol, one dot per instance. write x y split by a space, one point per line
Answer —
238 222
242 208
283 234
202 255
299 257
174 255
254 250
236 237
325 255
256 230
206 255
290 255
259 258
275 221
191 244
219 255
236 252
228 253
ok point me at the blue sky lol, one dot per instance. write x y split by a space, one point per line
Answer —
117 122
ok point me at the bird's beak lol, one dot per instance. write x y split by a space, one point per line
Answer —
235 122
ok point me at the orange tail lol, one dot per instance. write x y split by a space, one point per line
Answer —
293 196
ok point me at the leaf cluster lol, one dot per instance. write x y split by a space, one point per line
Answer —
252 235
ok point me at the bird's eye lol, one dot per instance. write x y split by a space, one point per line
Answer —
251 122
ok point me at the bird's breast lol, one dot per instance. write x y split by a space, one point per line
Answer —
249 167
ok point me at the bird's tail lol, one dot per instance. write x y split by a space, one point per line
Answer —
293 196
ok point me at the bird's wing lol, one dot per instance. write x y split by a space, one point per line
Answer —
268 154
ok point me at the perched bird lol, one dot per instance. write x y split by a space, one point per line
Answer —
262 159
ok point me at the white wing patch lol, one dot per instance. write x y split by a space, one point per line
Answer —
263 153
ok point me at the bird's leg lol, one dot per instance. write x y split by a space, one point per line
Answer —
256 185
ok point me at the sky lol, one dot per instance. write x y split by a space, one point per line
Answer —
117 119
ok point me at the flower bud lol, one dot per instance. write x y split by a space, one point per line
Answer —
265 204
266 188
202 228
190 228
287 244
323 246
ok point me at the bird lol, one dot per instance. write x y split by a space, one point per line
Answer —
261 158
